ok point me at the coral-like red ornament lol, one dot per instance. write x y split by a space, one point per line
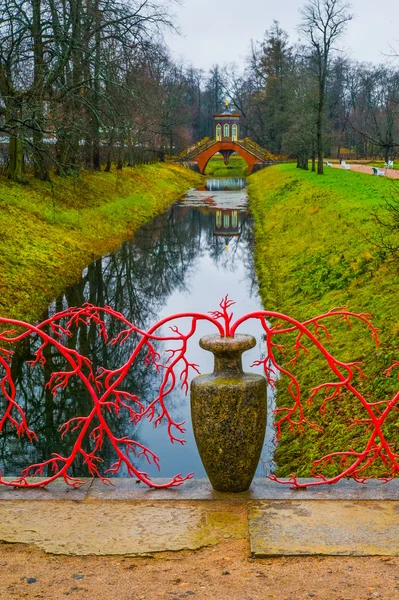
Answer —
108 396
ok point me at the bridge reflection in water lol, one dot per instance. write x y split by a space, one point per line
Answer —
173 264
225 184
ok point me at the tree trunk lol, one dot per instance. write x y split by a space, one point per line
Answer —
319 137
88 153
39 152
73 106
96 89
96 153
109 157
121 153
15 147
323 67
16 159
62 152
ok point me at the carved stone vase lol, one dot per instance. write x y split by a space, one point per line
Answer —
228 410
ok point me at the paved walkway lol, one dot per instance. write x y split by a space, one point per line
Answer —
390 173
128 519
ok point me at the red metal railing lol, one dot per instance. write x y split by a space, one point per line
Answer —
106 391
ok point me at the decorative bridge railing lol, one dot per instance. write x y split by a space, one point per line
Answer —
259 152
195 149
205 143
110 400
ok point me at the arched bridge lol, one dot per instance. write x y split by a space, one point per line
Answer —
254 155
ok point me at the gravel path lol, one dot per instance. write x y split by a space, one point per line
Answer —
224 572
391 173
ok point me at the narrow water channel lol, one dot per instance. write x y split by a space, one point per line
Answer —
186 259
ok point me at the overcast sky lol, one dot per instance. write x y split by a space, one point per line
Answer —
215 31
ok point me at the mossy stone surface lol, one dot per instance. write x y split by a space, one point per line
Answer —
228 409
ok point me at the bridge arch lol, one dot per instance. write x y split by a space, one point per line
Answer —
204 157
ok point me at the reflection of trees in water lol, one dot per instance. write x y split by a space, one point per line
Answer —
136 281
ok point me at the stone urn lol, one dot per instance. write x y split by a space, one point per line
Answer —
228 410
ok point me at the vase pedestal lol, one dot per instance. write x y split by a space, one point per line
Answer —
228 410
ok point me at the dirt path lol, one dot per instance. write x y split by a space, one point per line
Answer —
224 572
391 173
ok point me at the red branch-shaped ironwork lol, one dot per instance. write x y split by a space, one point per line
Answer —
105 389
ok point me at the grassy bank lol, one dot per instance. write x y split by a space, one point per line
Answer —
314 251
50 231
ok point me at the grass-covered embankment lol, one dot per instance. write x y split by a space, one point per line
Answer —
50 231
314 251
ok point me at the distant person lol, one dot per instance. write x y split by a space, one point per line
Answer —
340 159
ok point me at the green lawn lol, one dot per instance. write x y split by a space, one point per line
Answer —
315 251
237 167
50 231
380 164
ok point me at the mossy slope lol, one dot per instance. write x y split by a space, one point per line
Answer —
50 231
314 251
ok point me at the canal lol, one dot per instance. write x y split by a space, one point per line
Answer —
186 259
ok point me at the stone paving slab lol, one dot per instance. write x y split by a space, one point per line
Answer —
285 528
129 518
57 490
114 528
102 525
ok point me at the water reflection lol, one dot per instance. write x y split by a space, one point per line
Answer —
225 184
177 262
227 224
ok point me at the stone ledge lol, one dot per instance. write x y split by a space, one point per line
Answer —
200 489
261 489
57 490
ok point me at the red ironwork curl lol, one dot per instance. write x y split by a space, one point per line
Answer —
105 389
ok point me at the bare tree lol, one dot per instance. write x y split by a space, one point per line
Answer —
37 40
65 89
323 22
374 117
